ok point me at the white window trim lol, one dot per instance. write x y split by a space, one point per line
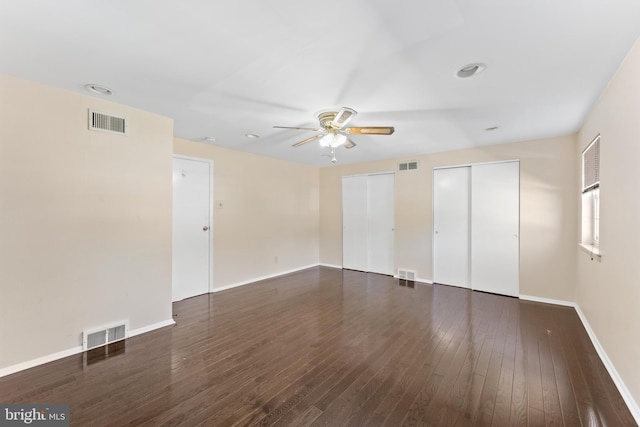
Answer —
590 239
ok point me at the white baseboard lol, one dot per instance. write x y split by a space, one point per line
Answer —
548 300
257 279
72 351
622 388
395 276
39 361
417 279
339 267
134 332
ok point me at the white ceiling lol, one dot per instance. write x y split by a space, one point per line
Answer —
225 68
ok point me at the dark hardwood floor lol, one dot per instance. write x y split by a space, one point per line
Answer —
331 347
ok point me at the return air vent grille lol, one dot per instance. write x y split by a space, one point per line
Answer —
107 123
117 333
103 336
96 339
408 166
407 275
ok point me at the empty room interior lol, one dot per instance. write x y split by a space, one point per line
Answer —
347 213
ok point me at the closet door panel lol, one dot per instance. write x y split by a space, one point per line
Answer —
380 199
354 223
495 227
451 226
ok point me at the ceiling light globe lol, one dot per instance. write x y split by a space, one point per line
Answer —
326 140
339 140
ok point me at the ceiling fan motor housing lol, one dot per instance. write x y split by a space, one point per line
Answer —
326 119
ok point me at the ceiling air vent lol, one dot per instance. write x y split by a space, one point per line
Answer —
408 166
107 123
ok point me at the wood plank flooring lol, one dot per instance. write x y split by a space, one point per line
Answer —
328 347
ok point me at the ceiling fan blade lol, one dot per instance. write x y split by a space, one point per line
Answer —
371 130
344 115
313 138
349 144
296 128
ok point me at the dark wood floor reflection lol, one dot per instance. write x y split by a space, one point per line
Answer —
331 347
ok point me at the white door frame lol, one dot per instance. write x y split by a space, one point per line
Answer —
211 226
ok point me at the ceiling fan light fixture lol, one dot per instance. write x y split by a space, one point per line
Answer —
333 134
333 140
325 140
339 140
470 70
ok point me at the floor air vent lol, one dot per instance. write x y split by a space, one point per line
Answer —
406 275
103 336
107 123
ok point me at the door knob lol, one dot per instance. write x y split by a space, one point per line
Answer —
205 228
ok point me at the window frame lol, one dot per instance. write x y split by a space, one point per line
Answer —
590 207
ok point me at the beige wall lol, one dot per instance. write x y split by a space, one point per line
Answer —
85 220
608 292
270 209
548 217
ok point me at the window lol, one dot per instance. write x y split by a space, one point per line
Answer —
591 197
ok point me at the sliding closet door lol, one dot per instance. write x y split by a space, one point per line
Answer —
495 201
451 226
367 223
380 195
354 223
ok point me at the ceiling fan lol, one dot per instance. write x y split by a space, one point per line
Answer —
333 132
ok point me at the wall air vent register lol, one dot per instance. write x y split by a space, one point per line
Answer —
99 337
408 166
107 123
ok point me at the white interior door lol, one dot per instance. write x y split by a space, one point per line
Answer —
451 226
192 195
495 193
354 223
380 201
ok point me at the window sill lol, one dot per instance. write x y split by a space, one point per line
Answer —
593 252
